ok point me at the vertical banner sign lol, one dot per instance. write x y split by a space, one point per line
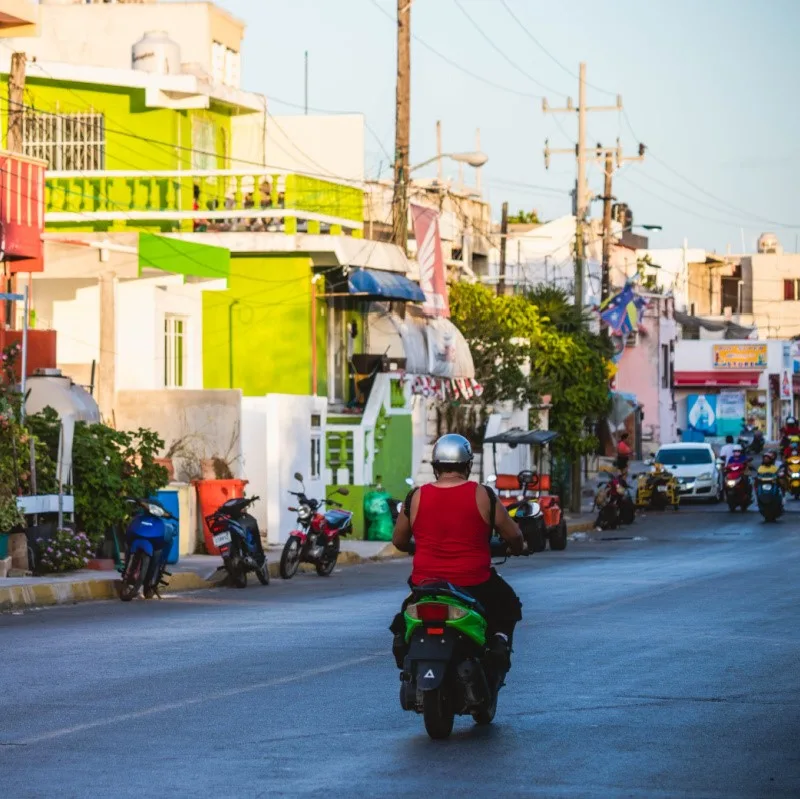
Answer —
432 278
786 385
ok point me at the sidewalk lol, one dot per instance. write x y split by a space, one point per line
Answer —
192 573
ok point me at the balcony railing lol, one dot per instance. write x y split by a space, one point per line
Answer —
199 200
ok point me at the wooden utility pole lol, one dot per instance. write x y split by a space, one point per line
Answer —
581 189
605 283
402 126
16 102
501 283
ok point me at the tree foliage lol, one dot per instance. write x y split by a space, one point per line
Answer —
525 346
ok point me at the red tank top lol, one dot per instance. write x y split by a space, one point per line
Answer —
451 537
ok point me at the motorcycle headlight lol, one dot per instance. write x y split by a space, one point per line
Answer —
731 483
304 514
795 475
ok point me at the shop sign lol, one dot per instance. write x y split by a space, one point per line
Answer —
731 405
740 356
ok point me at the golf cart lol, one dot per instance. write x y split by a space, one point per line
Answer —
533 483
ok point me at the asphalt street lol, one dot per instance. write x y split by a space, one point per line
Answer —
663 666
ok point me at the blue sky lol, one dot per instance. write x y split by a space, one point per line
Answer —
709 85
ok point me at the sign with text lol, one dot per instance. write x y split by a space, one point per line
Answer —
740 356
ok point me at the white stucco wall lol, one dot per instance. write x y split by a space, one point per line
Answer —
71 307
102 34
276 443
324 146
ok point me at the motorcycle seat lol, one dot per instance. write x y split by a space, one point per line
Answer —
443 588
338 518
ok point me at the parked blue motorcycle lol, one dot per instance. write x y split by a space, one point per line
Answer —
148 538
769 496
238 538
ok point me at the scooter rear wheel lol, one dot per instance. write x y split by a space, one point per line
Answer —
134 576
437 711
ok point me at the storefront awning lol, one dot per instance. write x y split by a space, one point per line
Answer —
730 378
383 285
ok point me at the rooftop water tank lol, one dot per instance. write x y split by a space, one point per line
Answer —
156 52
768 243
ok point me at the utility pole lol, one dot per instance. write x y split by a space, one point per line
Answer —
402 126
501 283
580 152
16 102
605 282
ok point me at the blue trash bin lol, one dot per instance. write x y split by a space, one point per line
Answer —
169 499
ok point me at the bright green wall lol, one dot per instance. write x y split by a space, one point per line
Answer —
137 138
392 461
271 327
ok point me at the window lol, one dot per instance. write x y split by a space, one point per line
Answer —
316 447
203 155
174 351
684 456
665 360
791 289
68 142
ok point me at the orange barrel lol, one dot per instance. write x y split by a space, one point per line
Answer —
211 494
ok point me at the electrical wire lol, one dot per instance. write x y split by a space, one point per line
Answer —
455 64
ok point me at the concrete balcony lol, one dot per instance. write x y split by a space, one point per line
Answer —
196 201
18 18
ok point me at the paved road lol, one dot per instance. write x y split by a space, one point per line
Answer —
664 667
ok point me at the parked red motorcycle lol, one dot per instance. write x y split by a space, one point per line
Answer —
317 537
738 488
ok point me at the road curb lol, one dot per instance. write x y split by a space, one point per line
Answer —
25 597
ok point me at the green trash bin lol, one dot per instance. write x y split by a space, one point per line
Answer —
378 515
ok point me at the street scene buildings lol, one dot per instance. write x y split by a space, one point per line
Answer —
207 300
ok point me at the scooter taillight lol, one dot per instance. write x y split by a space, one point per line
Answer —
432 611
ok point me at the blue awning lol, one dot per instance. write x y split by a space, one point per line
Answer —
383 285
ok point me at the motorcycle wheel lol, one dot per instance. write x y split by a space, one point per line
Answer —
437 711
290 558
732 506
558 539
263 573
327 563
134 576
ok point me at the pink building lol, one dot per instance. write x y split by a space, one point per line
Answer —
646 371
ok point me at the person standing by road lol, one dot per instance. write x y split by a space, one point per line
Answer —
624 451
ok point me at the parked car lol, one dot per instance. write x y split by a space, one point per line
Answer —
696 468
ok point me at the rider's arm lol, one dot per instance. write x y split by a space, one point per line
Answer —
401 537
508 529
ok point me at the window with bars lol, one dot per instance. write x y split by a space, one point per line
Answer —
67 142
174 351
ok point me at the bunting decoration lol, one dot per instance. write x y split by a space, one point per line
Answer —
443 389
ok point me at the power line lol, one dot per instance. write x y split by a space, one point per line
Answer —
455 64
499 50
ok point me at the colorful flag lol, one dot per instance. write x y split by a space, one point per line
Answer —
623 311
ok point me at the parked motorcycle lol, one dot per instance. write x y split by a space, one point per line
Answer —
148 537
238 539
752 441
657 489
792 474
448 670
738 490
614 503
769 496
317 536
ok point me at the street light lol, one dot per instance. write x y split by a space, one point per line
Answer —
475 159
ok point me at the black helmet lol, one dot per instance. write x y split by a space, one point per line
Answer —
452 450
768 458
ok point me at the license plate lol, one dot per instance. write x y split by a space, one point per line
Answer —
662 488
222 538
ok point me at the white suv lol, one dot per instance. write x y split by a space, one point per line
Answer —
696 468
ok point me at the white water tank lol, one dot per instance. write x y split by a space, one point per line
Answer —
48 387
768 243
156 52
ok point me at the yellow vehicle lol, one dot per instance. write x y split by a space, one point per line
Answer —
657 489
792 474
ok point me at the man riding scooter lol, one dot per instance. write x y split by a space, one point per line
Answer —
451 523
